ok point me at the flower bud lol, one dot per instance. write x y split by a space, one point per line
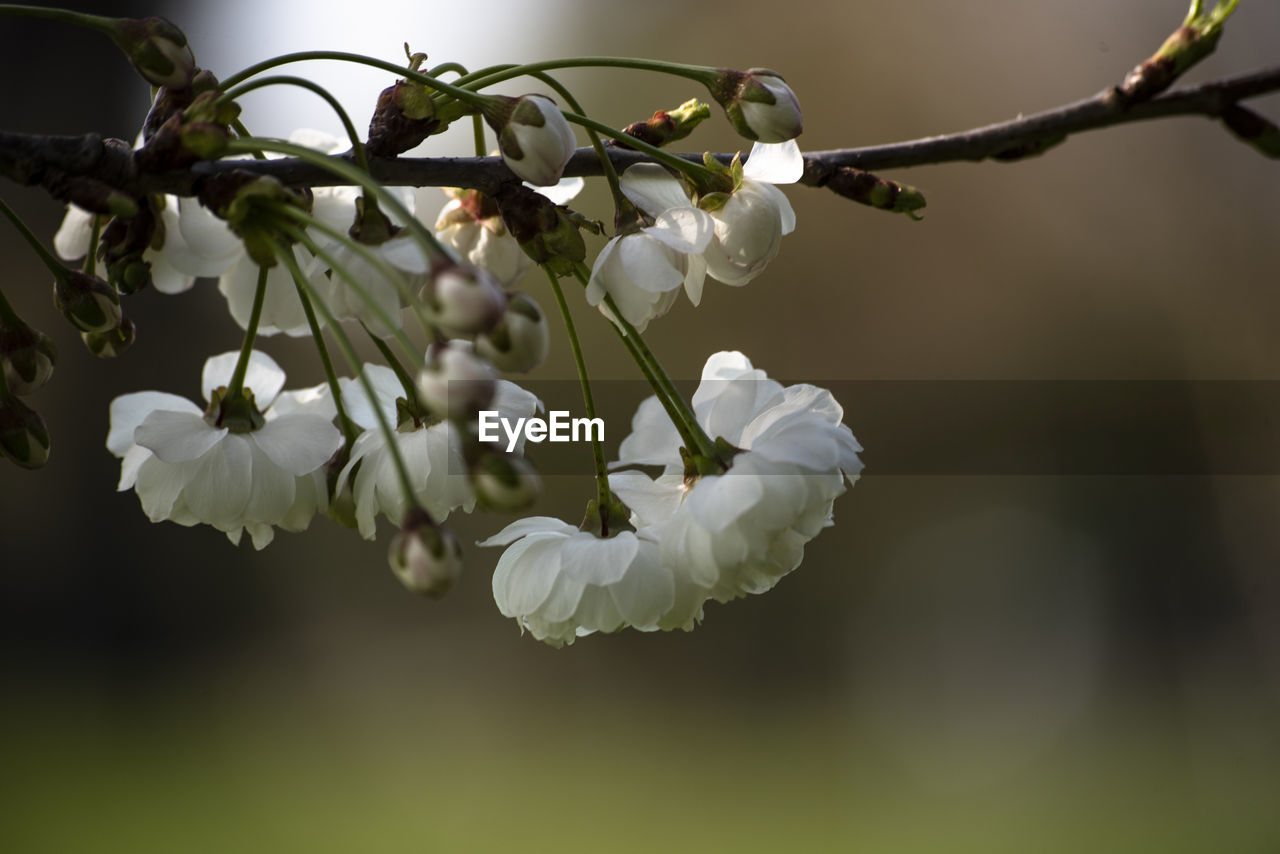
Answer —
112 342
521 339
504 482
533 135
462 300
760 104
456 383
425 556
27 356
403 117
23 436
157 49
88 302
545 231
666 126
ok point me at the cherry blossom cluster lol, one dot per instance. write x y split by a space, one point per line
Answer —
709 500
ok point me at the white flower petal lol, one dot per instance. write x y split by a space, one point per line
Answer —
129 410
177 437
652 188
298 444
220 486
563 191
776 163
262 376
686 230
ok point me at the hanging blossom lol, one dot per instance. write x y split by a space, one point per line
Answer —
255 476
561 583
740 531
472 226
731 236
432 449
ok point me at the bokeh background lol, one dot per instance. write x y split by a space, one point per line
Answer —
985 661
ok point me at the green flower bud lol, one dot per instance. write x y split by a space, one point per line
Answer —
759 104
404 116
521 340
112 342
667 126
27 355
23 436
533 135
503 482
157 49
548 233
89 303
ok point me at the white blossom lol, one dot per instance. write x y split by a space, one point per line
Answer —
561 583
740 531
190 471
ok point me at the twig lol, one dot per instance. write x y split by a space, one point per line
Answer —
52 161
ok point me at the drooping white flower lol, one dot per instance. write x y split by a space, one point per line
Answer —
432 452
739 532
750 225
561 583
190 471
643 270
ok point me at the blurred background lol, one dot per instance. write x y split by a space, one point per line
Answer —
1055 658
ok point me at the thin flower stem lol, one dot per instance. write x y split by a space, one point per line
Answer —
349 431
466 96
682 416
395 276
236 386
8 317
698 173
357 147
65 16
588 401
477 131
445 67
352 282
347 172
406 381
55 266
486 77
91 257
349 352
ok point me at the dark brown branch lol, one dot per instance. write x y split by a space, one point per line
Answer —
51 161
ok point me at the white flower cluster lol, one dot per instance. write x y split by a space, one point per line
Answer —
714 536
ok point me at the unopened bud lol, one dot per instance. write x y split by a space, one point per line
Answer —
404 117
520 341
667 126
23 436
112 342
27 356
425 556
462 300
759 103
456 383
124 243
157 49
547 232
533 135
504 482
89 303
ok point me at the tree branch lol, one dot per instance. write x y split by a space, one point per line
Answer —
61 163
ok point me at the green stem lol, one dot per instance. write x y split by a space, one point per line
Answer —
91 258
284 80
698 173
477 132
597 449
349 429
236 386
349 352
466 96
406 381
485 77
65 16
55 266
446 67
396 277
682 416
8 317
352 282
347 172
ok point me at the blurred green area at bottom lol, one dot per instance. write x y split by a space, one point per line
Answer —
579 775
